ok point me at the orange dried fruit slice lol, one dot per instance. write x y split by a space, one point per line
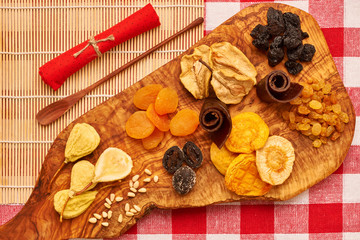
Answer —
146 95
221 158
153 140
242 177
139 126
184 122
275 160
249 133
162 122
166 101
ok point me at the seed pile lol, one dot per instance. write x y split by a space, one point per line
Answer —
129 211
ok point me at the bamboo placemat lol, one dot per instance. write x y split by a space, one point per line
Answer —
34 32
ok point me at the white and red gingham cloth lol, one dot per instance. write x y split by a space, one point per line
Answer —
328 210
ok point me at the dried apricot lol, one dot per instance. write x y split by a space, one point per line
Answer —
146 95
153 140
221 158
184 122
138 125
249 133
162 122
242 177
166 101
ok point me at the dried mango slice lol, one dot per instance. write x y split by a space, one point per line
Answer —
275 160
249 133
113 164
195 76
221 158
242 177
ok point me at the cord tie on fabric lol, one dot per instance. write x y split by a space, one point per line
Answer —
92 42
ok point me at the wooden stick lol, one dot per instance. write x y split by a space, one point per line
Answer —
55 110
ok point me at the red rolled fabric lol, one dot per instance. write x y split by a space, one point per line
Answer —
55 72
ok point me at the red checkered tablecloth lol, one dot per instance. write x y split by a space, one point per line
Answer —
329 210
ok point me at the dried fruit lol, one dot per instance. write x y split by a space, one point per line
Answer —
82 173
166 101
193 155
221 158
184 180
184 122
242 177
317 143
146 95
162 122
139 126
249 133
316 129
275 20
153 140
307 53
275 160
113 164
73 207
173 159
315 104
261 37
293 67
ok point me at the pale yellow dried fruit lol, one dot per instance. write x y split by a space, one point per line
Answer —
275 160
113 164
221 158
82 173
82 141
195 76
76 205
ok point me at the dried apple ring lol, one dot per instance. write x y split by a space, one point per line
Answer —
242 177
249 133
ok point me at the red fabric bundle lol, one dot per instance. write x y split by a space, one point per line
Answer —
55 72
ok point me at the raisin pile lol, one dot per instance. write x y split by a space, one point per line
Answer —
184 177
285 31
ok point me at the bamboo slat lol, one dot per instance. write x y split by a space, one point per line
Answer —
34 32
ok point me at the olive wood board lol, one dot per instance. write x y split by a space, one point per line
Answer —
38 219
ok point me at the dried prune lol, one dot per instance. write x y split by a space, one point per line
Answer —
261 44
304 35
184 180
193 155
307 53
292 38
260 31
275 56
293 67
173 159
277 42
291 20
294 54
276 24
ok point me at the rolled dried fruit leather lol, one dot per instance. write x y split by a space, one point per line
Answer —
215 119
55 72
277 87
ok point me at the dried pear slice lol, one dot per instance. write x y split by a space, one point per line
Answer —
73 207
221 158
82 173
82 141
195 76
113 164
249 133
226 56
242 177
275 160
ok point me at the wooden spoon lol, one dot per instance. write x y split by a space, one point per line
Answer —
55 110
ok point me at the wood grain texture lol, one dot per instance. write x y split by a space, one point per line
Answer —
38 220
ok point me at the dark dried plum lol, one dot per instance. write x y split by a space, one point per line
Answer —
260 31
293 67
261 44
294 54
292 38
275 20
173 159
193 155
184 180
304 35
275 56
307 53
291 20
277 43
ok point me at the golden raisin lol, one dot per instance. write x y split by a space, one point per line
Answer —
292 117
303 126
316 129
344 117
307 92
317 143
330 130
336 108
327 88
285 115
335 136
314 104
296 101
303 110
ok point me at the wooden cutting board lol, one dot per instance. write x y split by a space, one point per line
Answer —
38 219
